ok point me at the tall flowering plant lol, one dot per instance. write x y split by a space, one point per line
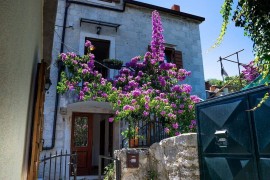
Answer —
148 89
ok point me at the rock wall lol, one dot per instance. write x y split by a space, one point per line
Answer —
174 158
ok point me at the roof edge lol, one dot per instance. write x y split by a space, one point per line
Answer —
170 11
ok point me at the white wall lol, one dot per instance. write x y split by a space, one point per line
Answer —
20 49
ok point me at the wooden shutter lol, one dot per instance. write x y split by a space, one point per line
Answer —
37 123
178 59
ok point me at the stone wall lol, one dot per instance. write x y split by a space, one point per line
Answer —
173 158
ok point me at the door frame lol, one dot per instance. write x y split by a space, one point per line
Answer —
90 137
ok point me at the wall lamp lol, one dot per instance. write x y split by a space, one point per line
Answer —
48 84
98 30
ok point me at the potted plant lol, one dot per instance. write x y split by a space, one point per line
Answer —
132 135
113 63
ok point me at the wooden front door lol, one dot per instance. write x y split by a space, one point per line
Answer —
81 141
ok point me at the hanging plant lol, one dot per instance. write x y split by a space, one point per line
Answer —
113 63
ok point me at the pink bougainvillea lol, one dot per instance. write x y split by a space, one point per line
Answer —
250 72
147 89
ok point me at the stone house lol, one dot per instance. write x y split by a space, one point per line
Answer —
119 29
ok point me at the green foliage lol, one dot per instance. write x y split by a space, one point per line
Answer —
266 96
62 85
254 17
232 82
131 132
152 175
226 13
113 61
236 83
215 82
109 172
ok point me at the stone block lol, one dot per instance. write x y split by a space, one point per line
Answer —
171 159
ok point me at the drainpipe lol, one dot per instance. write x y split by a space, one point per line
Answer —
60 69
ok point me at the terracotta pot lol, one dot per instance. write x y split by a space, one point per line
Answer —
133 143
213 88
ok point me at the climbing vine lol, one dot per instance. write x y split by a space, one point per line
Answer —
226 13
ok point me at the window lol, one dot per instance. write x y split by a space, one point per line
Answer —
169 55
107 1
101 52
172 56
116 1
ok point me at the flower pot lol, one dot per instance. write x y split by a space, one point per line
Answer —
213 88
133 143
115 66
112 65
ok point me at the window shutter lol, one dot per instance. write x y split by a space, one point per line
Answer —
116 1
178 59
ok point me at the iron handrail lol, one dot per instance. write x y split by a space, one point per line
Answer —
55 156
55 163
155 134
117 168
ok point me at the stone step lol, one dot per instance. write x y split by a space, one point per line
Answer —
83 178
88 177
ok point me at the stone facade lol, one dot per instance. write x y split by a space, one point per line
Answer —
131 39
174 158
133 36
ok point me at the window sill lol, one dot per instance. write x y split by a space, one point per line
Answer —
98 2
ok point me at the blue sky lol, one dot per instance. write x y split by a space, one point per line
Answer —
234 39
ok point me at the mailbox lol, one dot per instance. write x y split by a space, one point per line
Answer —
221 138
132 160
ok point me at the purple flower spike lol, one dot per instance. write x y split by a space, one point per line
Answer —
157 43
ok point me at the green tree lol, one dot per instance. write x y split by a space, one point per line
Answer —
215 82
231 82
254 17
